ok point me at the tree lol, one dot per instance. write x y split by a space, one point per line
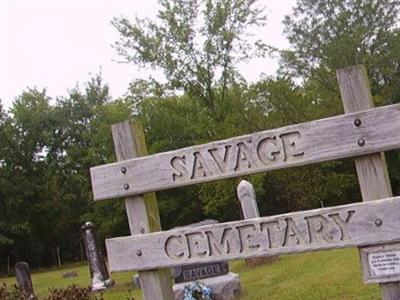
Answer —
23 173
327 35
196 44
331 34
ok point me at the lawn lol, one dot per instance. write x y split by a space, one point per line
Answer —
330 275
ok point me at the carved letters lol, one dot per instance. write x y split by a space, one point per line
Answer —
260 236
251 153
358 224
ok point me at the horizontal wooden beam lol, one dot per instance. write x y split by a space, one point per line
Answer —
343 136
359 224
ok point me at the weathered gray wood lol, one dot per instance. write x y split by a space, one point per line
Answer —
360 224
390 291
371 170
247 198
289 146
142 210
390 274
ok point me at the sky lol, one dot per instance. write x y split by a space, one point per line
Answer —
59 44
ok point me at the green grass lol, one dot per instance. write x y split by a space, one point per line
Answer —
322 275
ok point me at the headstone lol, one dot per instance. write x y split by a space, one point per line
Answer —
248 202
199 271
69 274
24 280
98 271
136 281
193 272
226 287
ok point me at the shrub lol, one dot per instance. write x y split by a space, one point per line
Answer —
73 292
11 293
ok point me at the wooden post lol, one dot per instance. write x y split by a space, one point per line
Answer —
142 210
371 169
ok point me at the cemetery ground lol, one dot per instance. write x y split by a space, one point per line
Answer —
334 274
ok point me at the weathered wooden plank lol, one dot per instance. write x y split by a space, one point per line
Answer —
372 171
294 145
359 224
142 210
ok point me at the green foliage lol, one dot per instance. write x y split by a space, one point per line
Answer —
46 153
11 293
333 274
46 150
327 35
196 44
72 292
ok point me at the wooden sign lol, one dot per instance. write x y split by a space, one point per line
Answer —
360 224
348 135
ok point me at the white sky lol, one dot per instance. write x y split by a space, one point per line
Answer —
55 44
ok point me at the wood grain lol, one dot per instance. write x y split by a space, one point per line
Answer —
294 145
142 210
321 229
372 171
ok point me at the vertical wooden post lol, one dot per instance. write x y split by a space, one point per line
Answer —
372 171
142 210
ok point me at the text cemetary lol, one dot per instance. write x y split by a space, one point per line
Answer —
343 226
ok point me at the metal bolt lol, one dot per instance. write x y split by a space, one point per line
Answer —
123 170
361 142
126 186
139 253
357 122
378 222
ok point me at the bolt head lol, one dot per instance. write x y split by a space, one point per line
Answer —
378 222
123 170
139 253
126 186
361 142
357 122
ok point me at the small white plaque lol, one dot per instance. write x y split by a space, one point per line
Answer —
384 263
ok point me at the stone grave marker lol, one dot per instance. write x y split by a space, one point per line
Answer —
224 285
98 271
247 197
24 280
193 272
